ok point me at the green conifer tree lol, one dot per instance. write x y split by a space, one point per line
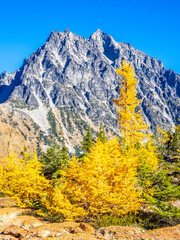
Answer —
55 159
172 145
101 134
87 143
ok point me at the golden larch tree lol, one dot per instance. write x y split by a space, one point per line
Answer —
22 179
131 124
104 182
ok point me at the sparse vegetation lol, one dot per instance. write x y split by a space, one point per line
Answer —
52 121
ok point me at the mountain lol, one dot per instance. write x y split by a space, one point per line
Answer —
69 83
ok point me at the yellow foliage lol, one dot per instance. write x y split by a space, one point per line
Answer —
147 155
21 179
104 182
58 204
131 124
163 136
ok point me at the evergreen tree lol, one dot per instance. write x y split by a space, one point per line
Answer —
101 134
55 159
169 144
172 145
87 143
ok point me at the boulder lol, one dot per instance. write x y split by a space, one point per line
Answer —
15 231
59 229
28 222
7 237
7 214
6 202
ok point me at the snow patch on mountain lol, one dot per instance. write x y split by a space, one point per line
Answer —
39 115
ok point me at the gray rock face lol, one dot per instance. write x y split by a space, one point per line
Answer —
77 75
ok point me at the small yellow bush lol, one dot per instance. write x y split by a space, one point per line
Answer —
22 179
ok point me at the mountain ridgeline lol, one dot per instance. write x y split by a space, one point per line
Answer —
70 82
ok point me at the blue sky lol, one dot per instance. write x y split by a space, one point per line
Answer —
152 26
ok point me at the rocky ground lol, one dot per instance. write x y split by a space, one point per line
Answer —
16 224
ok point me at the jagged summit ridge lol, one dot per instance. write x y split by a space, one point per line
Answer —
74 78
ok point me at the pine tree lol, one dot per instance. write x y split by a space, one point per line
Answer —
87 143
101 134
131 124
55 159
169 144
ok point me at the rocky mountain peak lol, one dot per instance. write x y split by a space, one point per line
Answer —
72 80
96 35
101 39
